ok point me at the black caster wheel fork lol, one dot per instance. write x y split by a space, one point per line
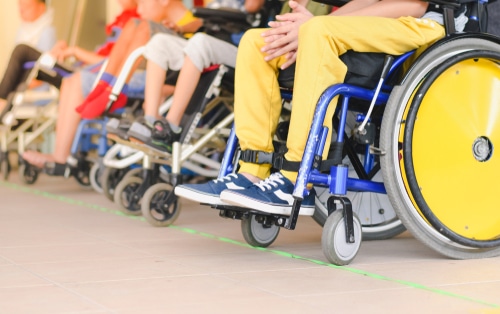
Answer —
346 205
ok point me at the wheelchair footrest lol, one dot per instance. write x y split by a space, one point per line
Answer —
266 219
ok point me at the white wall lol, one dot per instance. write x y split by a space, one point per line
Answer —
9 22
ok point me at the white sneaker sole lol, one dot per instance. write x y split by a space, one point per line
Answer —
197 196
239 200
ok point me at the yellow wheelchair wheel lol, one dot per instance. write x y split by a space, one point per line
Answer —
440 131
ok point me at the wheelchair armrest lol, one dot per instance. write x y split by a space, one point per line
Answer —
221 15
335 3
450 3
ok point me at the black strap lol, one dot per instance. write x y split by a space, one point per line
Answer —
276 160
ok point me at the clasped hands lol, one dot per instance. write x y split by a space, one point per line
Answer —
282 38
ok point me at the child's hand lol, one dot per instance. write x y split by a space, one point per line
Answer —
282 38
176 28
58 48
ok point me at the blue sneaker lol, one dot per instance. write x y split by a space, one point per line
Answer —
272 195
209 192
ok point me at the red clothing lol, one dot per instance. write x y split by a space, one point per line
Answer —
119 23
121 20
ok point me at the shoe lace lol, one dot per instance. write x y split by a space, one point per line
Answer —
273 181
228 177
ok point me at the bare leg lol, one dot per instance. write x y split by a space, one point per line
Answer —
155 76
68 118
184 89
66 125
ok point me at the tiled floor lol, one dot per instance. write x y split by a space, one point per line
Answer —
64 249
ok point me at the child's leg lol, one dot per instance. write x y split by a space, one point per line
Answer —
15 73
257 102
201 52
67 122
189 77
163 52
155 76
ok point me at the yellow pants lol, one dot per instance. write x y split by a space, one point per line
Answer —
321 40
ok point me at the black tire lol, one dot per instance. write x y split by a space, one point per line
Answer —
160 206
388 224
333 239
257 234
95 177
27 173
82 174
126 196
5 167
378 218
111 177
400 185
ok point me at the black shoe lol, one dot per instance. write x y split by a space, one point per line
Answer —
163 132
54 169
162 136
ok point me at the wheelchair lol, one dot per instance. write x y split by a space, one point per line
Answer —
437 133
206 126
91 135
31 115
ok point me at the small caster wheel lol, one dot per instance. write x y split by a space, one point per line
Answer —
333 240
110 179
95 177
160 206
27 173
82 174
128 197
257 232
5 168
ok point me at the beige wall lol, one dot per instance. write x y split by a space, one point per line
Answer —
9 21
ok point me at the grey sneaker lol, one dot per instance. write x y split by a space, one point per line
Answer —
140 130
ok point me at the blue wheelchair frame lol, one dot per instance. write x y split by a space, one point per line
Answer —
338 180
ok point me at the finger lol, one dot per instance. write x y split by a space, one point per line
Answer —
277 27
289 17
291 58
272 51
286 64
298 8
276 34
280 42
277 53
270 40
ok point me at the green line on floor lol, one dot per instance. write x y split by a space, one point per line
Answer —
234 242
